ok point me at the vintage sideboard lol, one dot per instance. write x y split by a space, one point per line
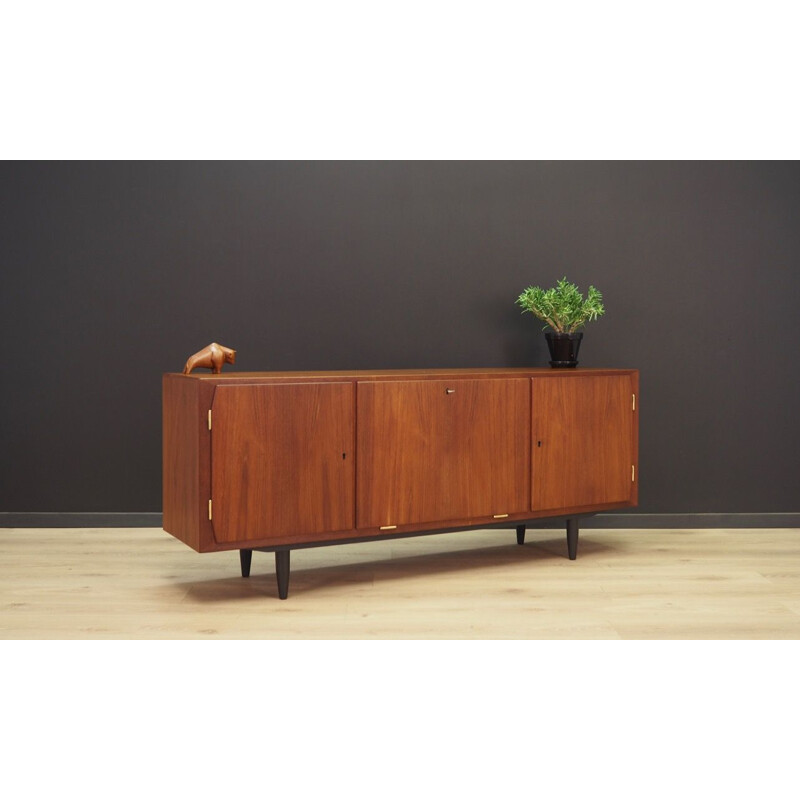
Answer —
278 461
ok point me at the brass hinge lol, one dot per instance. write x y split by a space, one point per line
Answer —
209 419
633 396
633 472
209 509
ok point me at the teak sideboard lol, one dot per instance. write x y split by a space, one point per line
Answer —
277 461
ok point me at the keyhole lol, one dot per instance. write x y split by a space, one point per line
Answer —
344 455
538 444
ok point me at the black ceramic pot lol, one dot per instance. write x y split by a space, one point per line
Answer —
563 348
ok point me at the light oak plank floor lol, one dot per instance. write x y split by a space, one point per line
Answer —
140 583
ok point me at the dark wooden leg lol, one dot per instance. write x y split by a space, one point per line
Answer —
520 534
245 559
282 571
572 538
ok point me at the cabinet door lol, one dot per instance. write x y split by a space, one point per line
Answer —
583 442
282 460
436 451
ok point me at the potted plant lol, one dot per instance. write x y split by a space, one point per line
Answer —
564 309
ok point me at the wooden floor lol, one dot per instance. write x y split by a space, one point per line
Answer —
140 583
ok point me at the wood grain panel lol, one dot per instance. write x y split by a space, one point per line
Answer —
634 498
582 441
282 460
205 399
180 459
442 450
488 373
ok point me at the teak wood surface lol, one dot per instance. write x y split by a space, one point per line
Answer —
582 441
436 450
282 460
477 373
446 498
181 461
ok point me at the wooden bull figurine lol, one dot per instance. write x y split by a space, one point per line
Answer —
211 357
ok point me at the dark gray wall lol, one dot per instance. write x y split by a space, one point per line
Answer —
113 273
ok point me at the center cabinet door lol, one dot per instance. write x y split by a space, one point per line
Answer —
437 450
282 460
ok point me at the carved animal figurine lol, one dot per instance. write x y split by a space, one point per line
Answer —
211 357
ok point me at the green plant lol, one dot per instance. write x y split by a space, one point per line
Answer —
562 307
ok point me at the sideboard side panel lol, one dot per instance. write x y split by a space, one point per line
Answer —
180 459
635 438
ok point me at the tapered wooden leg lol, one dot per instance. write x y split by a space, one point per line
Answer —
282 572
572 538
520 534
245 559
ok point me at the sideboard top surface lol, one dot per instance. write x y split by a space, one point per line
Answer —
376 374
